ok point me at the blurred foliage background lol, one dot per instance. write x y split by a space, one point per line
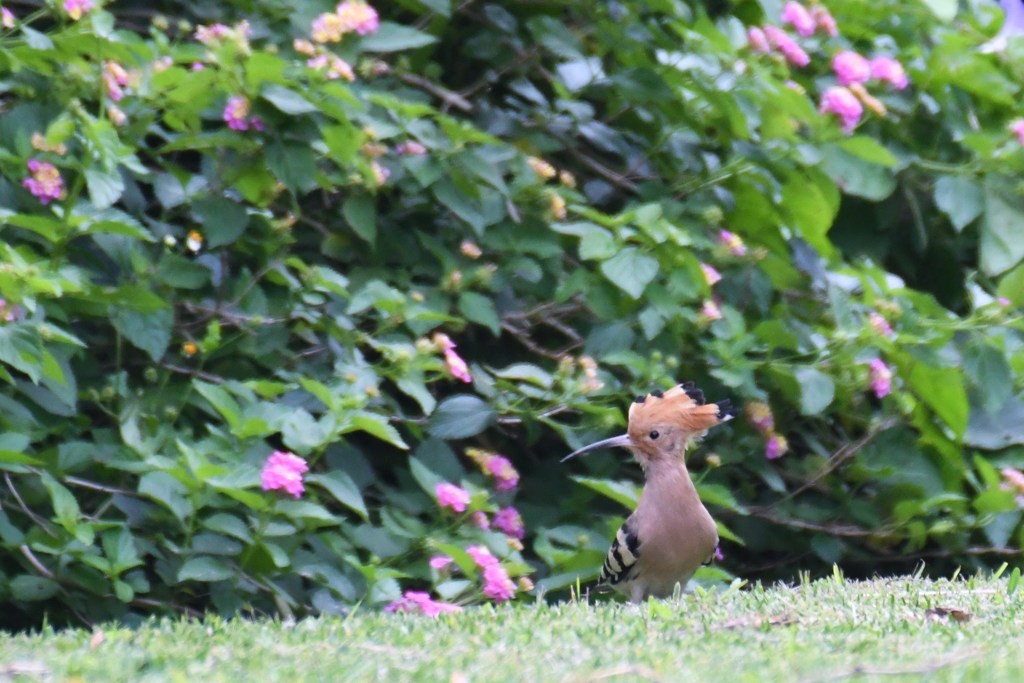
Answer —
243 227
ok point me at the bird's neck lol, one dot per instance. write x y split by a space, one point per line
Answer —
668 472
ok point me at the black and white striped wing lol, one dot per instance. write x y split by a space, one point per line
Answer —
620 562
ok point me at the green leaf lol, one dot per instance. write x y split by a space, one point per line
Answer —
393 37
288 101
205 568
944 10
223 220
294 165
150 332
31 588
303 510
816 390
302 433
376 425
65 507
1011 285
856 176
343 489
460 417
869 149
105 187
960 199
229 525
1001 247
221 400
360 211
625 493
991 375
942 390
168 491
630 271
480 309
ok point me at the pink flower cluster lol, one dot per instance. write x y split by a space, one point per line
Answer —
352 16
497 584
334 67
450 496
879 324
236 115
421 603
844 104
283 471
7 19
456 365
509 522
76 9
880 377
808 22
732 242
45 182
10 312
1017 128
115 79
778 39
761 418
506 477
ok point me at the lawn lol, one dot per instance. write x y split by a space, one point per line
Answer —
827 630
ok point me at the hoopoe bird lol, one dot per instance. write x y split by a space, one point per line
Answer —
671 533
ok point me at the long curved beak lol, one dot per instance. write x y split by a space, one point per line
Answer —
622 441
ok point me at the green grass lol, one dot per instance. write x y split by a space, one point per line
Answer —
819 631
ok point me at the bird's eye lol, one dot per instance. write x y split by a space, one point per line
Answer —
654 435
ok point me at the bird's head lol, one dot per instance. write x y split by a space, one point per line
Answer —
662 424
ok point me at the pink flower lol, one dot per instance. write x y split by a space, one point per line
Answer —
7 20
284 471
851 67
844 104
1013 477
208 35
10 312
45 183
711 275
890 71
719 555
77 8
115 78
440 562
881 377
197 66
1003 301
509 522
358 16
418 601
482 556
497 585
327 28
1017 128
825 21
758 41
732 242
760 417
796 14
775 447
479 520
410 148
236 113
710 310
457 366
880 324
451 496
789 48
505 475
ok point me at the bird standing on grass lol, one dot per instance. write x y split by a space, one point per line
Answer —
670 534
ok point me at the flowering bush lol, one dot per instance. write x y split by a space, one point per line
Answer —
299 309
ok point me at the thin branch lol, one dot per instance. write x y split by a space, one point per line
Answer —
215 379
34 561
836 460
40 522
447 96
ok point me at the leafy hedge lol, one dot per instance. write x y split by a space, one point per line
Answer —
432 251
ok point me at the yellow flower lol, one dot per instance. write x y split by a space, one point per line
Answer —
542 168
189 348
